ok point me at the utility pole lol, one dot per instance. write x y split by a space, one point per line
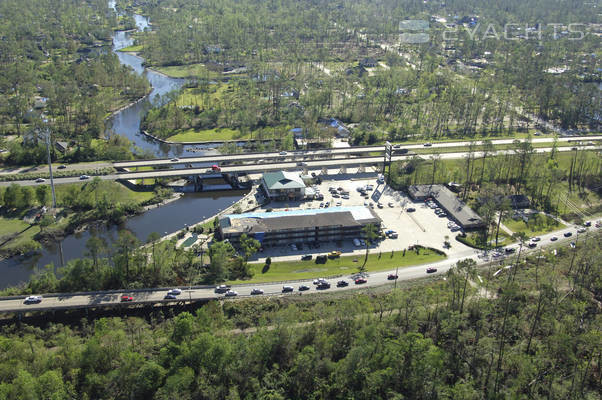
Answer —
50 165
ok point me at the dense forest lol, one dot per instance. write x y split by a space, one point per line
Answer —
477 82
55 59
530 331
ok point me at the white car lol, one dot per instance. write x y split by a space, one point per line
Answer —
356 242
231 293
175 291
175 159
33 299
536 239
40 180
581 230
83 177
282 153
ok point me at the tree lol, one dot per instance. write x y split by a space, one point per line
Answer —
220 256
45 222
370 233
152 238
249 246
42 195
13 196
95 246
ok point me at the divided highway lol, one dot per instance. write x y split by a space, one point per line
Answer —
156 296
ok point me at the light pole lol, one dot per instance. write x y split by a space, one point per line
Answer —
50 164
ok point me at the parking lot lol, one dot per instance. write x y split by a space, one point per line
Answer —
422 226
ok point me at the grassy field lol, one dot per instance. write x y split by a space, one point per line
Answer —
536 226
133 48
188 71
292 270
475 239
113 191
190 135
11 226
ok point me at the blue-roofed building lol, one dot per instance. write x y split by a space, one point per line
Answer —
341 129
299 226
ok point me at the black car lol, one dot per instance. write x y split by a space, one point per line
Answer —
306 257
323 286
342 283
392 277
170 297
321 259
532 245
411 209
568 234
303 288
431 270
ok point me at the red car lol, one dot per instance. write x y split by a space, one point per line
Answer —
215 168
430 270
359 281
125 298
392 277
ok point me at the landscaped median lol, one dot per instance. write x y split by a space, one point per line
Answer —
345 265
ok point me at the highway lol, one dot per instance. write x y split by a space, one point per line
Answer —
315 165
304 155
155 296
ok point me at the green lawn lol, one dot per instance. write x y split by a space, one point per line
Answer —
206 135
188 71
475 239
114 192
10 226
292 270
133 48
537 225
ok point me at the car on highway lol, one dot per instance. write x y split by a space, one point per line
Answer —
286 289
532 245
553 239
256 291
303 288
40 180
587 223
427 144
431 270
392 277
169 296
125 298
282 153
84 177
62 167
231 293
175 292
33 299
215 168
175 159
222 288
568 234
581 230
323 285
535 239
360 281
342 283
306 257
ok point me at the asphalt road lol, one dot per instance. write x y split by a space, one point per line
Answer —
303 155
278 166
155 296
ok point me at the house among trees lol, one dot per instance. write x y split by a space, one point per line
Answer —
368 62
519 201
341 129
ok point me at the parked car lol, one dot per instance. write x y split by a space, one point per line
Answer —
334 254
231 293
360 281
342 283
392 277
175 292
33 299
356 242
306 257
40 180
83 177
256 291
391 204
286 289
303 288
321 259
411 209
125 298
573 245
379 205
222 289
431 270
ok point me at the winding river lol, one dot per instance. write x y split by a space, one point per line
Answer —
169 218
